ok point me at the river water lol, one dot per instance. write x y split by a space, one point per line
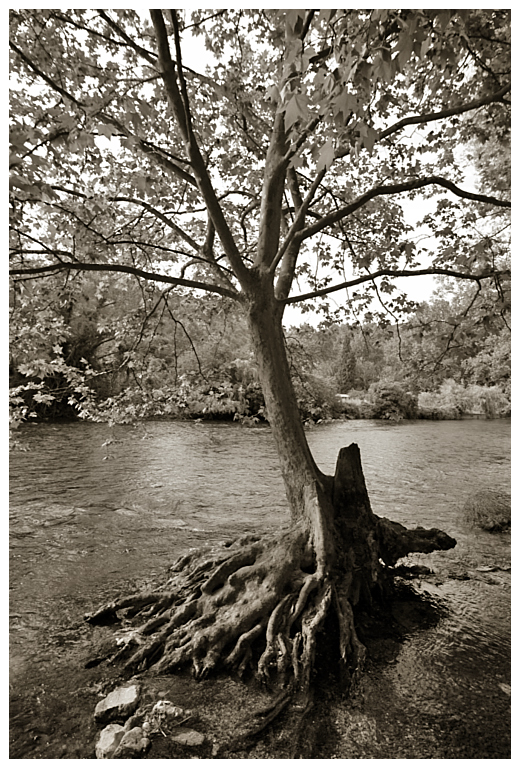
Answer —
92 508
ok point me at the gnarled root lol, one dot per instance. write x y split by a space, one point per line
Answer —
260 602
221 603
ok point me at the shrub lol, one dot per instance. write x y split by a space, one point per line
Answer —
390 401
453 400
355 405
317 399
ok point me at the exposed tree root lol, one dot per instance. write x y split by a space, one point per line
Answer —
219 602
260 602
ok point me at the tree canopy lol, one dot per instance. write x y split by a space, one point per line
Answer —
290 155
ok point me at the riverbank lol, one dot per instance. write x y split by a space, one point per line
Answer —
461 717
385 400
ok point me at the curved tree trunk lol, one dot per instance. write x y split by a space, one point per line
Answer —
260 602
264 314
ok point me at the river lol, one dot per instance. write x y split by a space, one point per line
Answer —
93 507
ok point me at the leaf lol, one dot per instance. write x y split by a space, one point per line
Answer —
272 94
295 110
326 157
107 130
443 19
293 18
368 136
327 14
404 47
344 104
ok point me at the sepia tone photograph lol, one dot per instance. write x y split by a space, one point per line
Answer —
260 384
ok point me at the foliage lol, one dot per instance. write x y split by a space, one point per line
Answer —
454 400
317 399
117 164
343 76
491 366
391 402
346 376
186 401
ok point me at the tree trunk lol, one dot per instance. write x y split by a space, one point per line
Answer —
299 470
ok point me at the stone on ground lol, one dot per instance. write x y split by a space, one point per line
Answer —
133 745
118 705
108 741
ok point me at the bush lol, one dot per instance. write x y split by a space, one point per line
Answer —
390 401
317 399
489 510
453 400
186 401
355 405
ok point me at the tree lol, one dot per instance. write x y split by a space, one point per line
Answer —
285 161
450 338
347 375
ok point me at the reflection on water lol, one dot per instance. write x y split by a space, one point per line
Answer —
86 516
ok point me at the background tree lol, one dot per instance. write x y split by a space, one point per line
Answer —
282 163
346 377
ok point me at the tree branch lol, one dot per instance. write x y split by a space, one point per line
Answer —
290 258
108 120
145 146
93 267
298 221
183 119
394 189
43 76
433 116
147 55
272 195
395 273
150 208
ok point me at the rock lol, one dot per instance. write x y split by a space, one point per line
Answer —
118 705
108 741
133 745
489 509
133 721
167 710
187 737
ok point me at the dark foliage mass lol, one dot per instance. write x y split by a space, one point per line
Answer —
116 353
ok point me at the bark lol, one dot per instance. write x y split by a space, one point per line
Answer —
299 470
